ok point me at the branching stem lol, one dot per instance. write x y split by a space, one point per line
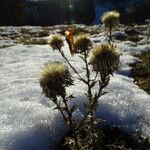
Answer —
63 55
71 124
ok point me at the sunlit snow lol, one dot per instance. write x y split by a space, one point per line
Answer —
27 118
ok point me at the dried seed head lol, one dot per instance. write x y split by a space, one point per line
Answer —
82 43
105 59
54 77
56 42
110 18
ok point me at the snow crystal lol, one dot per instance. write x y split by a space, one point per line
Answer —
27 118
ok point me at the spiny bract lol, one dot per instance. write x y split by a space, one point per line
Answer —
105 59
56 42
53 78
110 18
82 43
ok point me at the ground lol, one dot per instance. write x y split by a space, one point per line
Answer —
27 118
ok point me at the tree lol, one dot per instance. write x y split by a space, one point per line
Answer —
12 12
83 11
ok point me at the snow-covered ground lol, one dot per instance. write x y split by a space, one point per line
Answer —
27 118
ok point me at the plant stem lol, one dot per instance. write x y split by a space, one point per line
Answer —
62 54
88 77
69 113
110 34
92 129
58 107
90 100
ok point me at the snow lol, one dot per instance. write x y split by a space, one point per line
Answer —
27 118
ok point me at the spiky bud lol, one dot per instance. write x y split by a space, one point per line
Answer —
54 77
56 42
105 59
82 43
110 18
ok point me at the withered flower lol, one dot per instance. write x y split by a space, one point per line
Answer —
54 77
82 43
70 41
105 59
56 42
110 18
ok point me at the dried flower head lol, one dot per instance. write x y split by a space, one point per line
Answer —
56 42
70 40
105 59
82 43
110 18
54 77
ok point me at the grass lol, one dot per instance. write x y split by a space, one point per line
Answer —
33 41
113 138
1 30
5 46
141 71
25 31
133 38
82 30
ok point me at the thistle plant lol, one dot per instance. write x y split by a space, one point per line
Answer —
55 77
56 42
105 60
110 19
82 44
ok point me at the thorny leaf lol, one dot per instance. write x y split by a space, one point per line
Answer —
93 84
70 97
58 105
86 94
56 108
82 57
64 108
103 93
73 108
83 80
65 119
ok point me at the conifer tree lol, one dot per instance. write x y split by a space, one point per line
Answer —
12 12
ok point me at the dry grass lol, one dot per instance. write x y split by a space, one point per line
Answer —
141 71
113 138
5 46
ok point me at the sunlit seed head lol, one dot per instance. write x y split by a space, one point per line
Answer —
82 43
110 18
105 59
56 42
54 77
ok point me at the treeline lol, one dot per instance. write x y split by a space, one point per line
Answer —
132 11
12 12
51 12
46 12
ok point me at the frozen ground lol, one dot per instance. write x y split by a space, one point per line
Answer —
27 118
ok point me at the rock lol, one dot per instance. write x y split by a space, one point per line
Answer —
118 35
144 41
132 31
